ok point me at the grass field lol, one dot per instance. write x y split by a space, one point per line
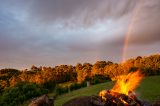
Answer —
149 90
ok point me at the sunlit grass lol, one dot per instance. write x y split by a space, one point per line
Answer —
149 88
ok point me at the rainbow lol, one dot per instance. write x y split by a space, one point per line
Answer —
129 30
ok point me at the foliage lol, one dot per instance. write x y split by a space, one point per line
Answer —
61 90
5 76
20 93
84 72
50 85
76 86
99 79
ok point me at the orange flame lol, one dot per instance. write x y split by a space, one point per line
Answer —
126 83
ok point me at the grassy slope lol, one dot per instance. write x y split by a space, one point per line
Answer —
149 89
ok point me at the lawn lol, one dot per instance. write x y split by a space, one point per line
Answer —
149 90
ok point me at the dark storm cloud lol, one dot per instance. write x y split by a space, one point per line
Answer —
87 12
79 11
51 32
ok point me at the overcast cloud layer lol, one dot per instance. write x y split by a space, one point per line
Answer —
53 32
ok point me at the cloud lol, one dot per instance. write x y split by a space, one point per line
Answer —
84 12
51 32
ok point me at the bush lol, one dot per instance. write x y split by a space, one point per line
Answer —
20 93
61 90
99 79
75 86
50 85
64 89
83 84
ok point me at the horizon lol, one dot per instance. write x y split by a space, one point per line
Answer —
51 33
79 62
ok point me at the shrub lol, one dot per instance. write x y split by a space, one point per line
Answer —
61 90
20 93
99 79
83 84
75 86
50 85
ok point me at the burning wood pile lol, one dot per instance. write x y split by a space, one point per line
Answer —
121 94
111 98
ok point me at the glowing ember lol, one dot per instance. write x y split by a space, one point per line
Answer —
126 83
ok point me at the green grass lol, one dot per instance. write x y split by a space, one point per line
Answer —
149 89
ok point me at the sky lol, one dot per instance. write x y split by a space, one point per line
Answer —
54 32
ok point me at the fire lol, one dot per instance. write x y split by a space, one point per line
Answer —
122 93
126 83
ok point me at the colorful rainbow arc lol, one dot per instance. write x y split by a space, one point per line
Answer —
130 26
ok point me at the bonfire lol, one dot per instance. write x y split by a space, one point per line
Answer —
122 94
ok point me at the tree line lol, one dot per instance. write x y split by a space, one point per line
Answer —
80 72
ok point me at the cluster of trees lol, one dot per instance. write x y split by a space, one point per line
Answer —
49 76
87 71
148 65
38 75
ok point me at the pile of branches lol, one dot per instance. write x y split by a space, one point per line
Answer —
111 98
